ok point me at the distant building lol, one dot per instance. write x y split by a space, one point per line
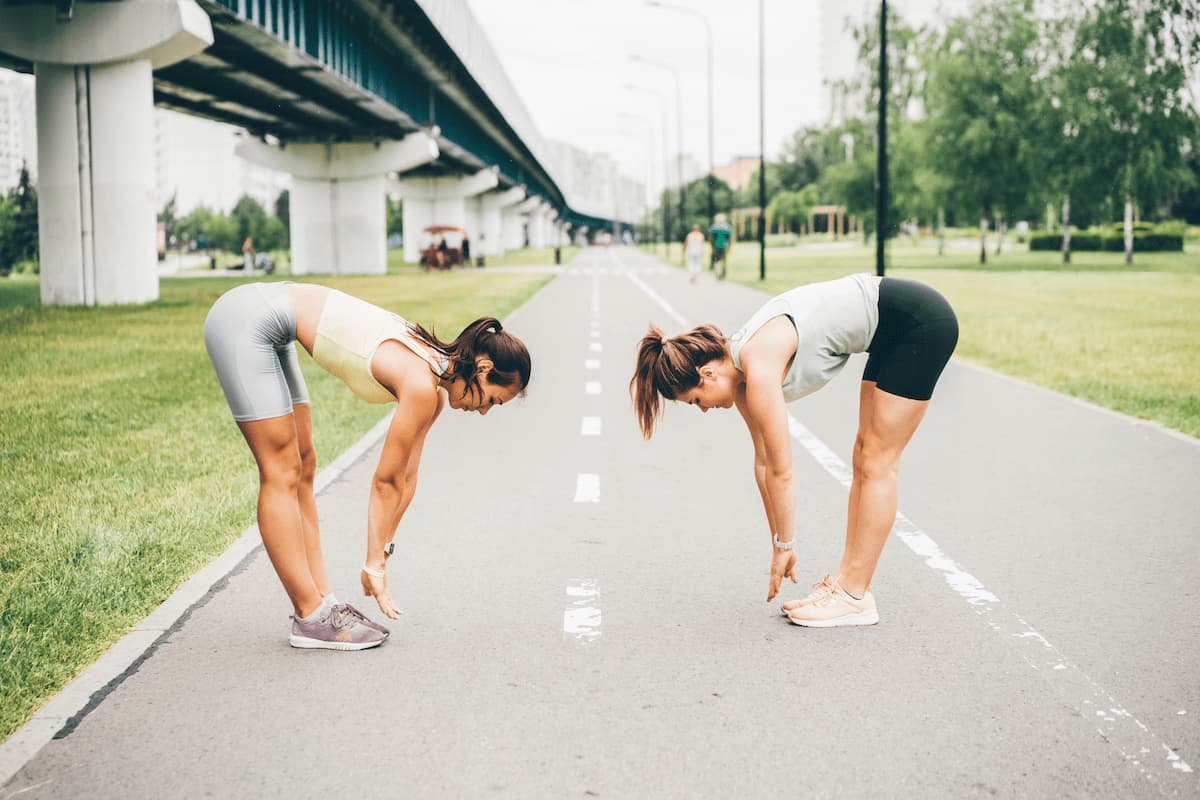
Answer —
738 173
18 134
195 162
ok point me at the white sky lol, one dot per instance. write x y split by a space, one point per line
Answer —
570 61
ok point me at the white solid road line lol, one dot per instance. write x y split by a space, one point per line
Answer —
1132 738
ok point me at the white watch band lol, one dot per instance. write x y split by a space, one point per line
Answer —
782 545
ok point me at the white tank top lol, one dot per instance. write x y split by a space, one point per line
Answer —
833 319
348 334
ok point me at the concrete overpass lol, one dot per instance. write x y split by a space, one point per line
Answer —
353 98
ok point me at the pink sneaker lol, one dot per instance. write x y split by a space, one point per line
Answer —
336 629
820 589
836 608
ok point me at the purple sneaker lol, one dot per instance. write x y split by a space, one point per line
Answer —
362 618
336 629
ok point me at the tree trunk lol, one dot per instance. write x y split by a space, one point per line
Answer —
983 226
1128 230
941 230
1000 229
1066 225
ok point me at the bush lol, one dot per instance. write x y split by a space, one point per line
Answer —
1081 242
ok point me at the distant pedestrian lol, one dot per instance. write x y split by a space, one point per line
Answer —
719 235
248 254
693 250
383 359
789 348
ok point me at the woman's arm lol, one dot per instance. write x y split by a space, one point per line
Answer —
394 483
760 459
766 416
395 477
414 460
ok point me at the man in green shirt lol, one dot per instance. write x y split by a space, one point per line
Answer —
719 235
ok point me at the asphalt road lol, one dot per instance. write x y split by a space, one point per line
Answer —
586 611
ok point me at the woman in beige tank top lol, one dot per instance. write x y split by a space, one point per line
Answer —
382 358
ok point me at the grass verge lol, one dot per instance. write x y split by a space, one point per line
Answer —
123 471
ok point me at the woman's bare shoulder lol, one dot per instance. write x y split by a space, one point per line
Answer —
772 345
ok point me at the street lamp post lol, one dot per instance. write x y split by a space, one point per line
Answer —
762 149
678 126
662 107
711 182
881 168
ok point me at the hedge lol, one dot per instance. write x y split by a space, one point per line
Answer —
1142 242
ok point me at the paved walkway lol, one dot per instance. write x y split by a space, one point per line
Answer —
585 612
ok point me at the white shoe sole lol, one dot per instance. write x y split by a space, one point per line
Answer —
307 643
870 618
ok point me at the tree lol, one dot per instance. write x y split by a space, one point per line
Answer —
695 197
792 209
1130 63
167 217
22 239
250 221
979 98
395 215
283 213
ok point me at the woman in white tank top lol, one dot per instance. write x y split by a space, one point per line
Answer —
795 344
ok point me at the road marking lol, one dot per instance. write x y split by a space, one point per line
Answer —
587 487
581 619
591 363
1130 736
592 387
590 427
595 347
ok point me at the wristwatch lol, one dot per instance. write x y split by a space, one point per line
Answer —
782 545
389 548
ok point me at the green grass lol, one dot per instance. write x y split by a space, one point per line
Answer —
1119 336
123 472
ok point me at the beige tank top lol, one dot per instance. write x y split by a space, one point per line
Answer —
348 335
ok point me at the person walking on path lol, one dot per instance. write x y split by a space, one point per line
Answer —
719 235
382 358
693 250
789 348
248 254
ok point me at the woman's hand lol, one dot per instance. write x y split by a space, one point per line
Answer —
783 565
374 584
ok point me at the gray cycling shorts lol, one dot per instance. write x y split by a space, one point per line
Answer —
248 334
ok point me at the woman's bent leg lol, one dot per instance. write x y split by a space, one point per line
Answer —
274 443
882 439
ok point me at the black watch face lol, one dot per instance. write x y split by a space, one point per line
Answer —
389 548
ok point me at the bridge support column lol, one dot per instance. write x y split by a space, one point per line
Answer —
491 218
537 225
95 127
518 224
338 212
438 201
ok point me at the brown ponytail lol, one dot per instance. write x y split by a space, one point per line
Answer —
666 368
511 365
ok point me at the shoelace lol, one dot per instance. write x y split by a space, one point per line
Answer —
821 589
350 610
340 616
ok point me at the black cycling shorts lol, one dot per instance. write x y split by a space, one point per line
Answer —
917 333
